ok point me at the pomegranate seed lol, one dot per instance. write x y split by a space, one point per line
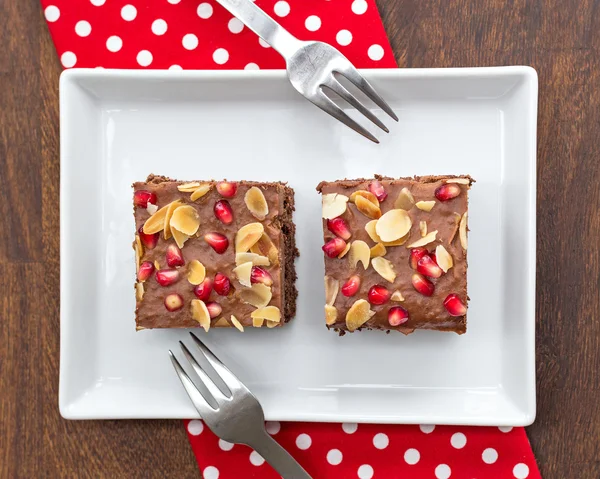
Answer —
203 290
218 242
428 267
141 198
223 211
146 269
174 256
334 247
422 284
214 309
166 277
226 188
351 286
173 302
397 315
447 192
149 241
378 294
433 257
221 285
378 190
454 305
260 275
415 255
339 227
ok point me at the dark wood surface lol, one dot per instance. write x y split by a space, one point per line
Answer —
560 39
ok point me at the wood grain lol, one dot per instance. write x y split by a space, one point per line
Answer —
561 39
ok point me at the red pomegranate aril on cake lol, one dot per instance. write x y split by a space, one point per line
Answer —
227 188
260 275
422 284
339 227
173 302
141 198
350 287
203 290
454 305
223 211
428 267
217 241
146 269
166 277
415 255
149 241
174 256
378 190
447 192
397 315
214 309
334 247
221 284
378 294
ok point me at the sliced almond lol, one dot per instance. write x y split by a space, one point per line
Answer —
370 210
272 324
358 314
255 259
188 187
359 252
200 313
200 191
258 295
425 240
270 313
393 225
256 203
265 247
462 231
378 250
139 291
156 265
151 208
221 323
460 181
384 268
443 258
247 236
242 273
332 287
139 252
405 200
258 322
156 222
179 237
423 228
196 272
334 205
397 296
236 323
171 207
345 250
370 228
330 314
425 205
457 219
367 195
186 220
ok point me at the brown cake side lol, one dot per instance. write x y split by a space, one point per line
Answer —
231 242
405 286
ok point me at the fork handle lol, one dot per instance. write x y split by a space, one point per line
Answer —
264 26
278 457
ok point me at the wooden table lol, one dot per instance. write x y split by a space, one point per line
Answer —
560 39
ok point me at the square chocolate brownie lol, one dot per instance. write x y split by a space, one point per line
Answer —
214 254
396 253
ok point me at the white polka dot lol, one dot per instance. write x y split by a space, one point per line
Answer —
210 472
252 66
195 427
83 28
114 43
189 41
220 56
427 428
173 2
52 13
381 441
521 471
68 59
225 446
303 441
159 26
343 37
235 25
263 43
312 23
256 459
458 440
412 456
334 457
273 427
204 10
128 13
175 67
359 6
99 68
282 9
365 472
375 52
442 471
490 455
97 3
505 428
349 427
144 58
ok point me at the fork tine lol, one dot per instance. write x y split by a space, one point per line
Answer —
208 382
328 106
198 400
338 88
355 77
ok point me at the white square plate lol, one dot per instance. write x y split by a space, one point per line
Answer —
119 126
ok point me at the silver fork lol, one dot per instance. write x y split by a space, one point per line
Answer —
312 67
238 417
